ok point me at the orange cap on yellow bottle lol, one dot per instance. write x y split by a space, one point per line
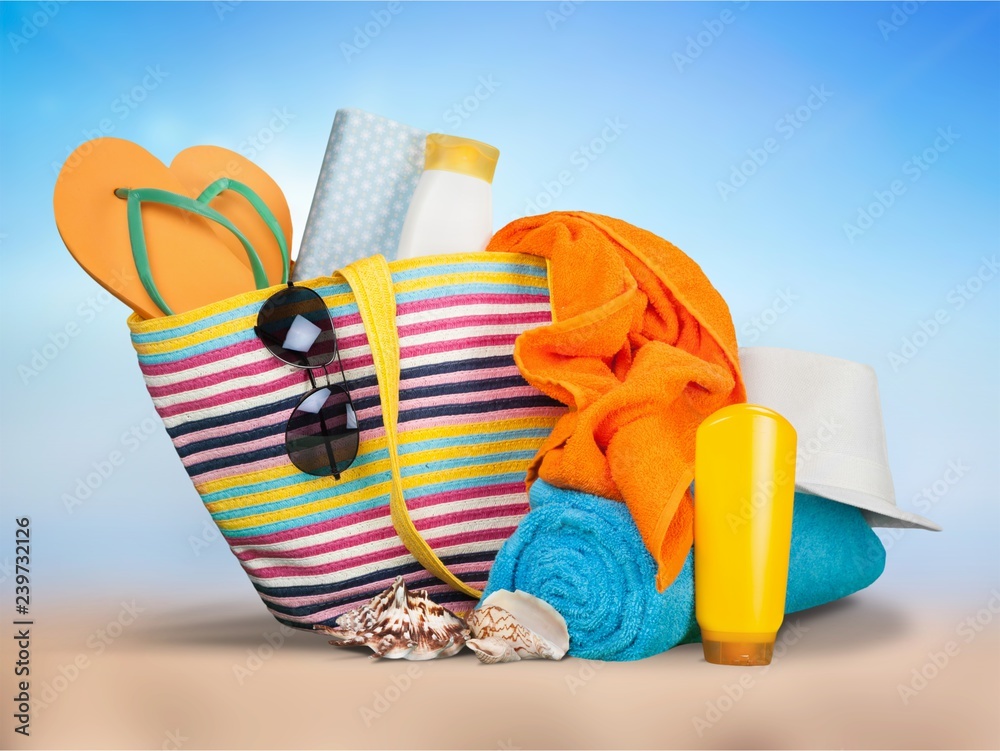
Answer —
744 490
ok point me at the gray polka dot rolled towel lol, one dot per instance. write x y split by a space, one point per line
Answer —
369 173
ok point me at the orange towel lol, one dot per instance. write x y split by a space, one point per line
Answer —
642 349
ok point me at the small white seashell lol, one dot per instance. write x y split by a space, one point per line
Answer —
399 624
512 626
535 614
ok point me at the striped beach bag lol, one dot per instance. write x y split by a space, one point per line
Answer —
447 429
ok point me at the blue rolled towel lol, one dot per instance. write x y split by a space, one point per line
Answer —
584 556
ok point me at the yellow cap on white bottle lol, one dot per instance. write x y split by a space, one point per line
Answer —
462 155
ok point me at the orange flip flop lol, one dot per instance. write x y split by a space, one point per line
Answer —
217 176
126 220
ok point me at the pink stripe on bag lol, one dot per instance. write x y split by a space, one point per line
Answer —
465 494
454 301
342 322
226 397
497 511
199 361
479 321
454 345
464 538
260 367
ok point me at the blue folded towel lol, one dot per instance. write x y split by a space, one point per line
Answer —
583 555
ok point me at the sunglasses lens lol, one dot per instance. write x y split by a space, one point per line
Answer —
322 434
295 326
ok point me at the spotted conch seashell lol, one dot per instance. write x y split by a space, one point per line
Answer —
512 626
399 624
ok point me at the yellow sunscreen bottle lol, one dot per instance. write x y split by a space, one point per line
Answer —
744 488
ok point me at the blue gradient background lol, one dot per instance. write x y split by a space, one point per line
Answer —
229 66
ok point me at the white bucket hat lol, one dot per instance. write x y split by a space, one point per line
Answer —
834 406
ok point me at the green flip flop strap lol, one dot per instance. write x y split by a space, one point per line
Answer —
227 183
137 236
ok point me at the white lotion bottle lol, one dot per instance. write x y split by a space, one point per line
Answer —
452 207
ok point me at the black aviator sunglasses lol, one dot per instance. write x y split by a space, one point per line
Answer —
321 438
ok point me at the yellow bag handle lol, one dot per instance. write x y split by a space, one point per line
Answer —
371 281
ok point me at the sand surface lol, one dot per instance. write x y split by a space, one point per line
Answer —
205 675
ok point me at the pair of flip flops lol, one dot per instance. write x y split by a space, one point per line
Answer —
166 240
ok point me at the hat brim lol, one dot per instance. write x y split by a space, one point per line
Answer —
878 512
